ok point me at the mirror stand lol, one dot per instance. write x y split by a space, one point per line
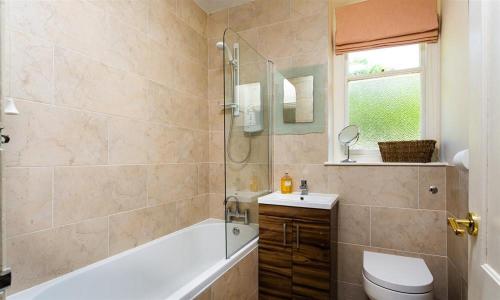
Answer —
348 159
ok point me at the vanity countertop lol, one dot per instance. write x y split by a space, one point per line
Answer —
312 200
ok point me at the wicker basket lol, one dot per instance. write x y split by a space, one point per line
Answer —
407 151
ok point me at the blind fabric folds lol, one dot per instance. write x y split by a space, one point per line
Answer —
382 23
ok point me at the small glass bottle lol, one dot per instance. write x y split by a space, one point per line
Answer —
286 184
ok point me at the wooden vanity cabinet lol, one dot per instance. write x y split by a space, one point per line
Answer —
297 252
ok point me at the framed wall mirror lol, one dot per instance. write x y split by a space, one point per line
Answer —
300 100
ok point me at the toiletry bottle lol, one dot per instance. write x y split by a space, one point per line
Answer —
286 184
254 184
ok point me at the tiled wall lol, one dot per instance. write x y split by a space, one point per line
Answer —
240 282
110 149
457 205
387 209
292 33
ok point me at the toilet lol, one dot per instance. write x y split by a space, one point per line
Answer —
394 277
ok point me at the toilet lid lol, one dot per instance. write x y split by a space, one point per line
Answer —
397 273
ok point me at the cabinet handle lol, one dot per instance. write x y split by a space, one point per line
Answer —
284 234
297 228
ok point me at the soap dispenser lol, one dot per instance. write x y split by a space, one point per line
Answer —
286 184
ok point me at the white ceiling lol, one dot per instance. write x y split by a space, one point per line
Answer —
210 6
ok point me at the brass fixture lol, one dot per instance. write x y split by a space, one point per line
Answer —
471 223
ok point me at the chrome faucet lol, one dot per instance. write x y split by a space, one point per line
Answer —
304 190
230 214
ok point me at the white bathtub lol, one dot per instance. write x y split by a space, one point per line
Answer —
177 266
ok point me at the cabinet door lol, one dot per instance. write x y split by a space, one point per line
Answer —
311 260
275 258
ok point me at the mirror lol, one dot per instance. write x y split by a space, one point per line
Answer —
298 99
348 136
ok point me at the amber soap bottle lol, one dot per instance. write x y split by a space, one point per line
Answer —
286 184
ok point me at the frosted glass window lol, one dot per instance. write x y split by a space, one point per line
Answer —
385 109
384 95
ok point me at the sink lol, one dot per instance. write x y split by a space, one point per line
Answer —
313 200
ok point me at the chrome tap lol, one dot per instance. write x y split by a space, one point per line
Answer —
304 190
235 213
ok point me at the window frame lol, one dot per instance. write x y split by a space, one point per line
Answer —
429 70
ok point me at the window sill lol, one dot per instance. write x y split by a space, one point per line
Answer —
431 164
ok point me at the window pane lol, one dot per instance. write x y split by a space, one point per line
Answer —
385 59
385 109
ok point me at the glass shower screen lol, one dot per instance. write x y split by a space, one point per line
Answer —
247 113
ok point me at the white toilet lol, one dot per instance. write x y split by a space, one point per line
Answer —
393 277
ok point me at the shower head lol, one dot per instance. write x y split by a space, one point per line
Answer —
222 46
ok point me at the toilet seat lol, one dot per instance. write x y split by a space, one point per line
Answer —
376 292
397 273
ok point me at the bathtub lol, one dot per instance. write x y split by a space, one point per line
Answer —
177 266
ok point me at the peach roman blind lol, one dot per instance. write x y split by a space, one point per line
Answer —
382 23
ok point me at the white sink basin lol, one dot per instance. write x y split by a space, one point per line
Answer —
313 200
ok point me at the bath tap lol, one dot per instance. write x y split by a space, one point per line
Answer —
304 190
230 214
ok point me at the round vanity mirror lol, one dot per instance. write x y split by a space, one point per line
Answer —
348 137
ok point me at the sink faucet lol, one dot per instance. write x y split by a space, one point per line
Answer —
230 214
304 190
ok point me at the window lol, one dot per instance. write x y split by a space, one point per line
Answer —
386 92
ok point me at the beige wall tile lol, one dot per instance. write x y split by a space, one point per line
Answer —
216 203
216 115
126 47
244 275
203 178
216 144
275 41
454 282
271 11
128 142
216 181
170 183
191 211
162 63
28 200
311 33
191 44
130 229
349 291
87 192
163 23
350 263
31 66
301 8
46 254
215 84
193 15
217 22
174 108
135 13
422 231
172 145
300 149
376 186
191 77
50 20
86 84
354 224
427 177
242 17
457 192
48 135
